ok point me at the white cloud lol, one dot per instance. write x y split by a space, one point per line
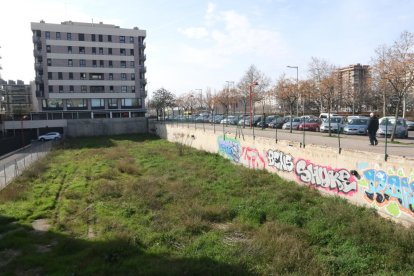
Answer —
194 32
230 36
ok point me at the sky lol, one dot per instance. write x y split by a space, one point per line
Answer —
197 44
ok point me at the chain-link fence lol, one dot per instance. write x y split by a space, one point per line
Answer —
15 164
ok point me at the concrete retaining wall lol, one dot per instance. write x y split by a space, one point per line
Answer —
363 178
99 127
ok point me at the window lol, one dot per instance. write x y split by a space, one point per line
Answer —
131 39
124 89
132 76
131 52
94 50
50 89
100 38
123 64
113 103
49 62
123 76
96 76
111 88
94 63
111 76
70 62
84 88
122 52
101 63
48 49
81 50
132 64
110 63
60 88
69 49
69 36
47 35
71 89
109 51
49 75
58 35
76 103
122 39
81 37
132 89
97 103
83 76
93 37
101 51
82 63
71 76
60 75
128 102
110 38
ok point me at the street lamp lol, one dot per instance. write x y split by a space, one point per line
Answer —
254 83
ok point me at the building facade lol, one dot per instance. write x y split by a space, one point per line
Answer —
86 70
353 87
15 98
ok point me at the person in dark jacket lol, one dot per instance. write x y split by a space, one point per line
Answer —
373 126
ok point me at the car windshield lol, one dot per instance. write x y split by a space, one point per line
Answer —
335 120
358 122
390 121
312 121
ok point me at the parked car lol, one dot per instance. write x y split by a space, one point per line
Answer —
337 124
386 125
295 123
312 124
357 125
410 125
278 122
50 136
216 119
268 119
323 116
230 120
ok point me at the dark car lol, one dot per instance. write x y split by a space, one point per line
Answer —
278 122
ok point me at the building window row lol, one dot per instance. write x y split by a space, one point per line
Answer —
90 89
90 76
90 63
82 104
90 37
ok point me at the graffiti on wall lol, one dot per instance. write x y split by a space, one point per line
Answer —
280 160
253 159
230 148
338 180
391 190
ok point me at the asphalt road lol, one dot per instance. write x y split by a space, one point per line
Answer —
400 147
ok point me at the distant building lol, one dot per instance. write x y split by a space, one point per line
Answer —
353 84
86 70
15 98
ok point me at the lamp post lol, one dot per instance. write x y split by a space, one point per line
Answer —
297 88
254 83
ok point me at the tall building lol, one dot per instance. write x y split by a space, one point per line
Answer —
353 83
86 70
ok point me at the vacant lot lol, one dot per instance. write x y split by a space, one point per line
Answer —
139 205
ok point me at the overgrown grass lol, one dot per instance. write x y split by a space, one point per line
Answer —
140 205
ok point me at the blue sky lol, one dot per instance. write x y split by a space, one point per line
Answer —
199 44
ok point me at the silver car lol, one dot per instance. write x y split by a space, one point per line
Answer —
356 126
49 136
386 125
335 121
295 123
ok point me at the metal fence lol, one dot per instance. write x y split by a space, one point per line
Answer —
15 164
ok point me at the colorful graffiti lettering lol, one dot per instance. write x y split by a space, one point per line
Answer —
230 148
253 158
325 177
384 188
280 160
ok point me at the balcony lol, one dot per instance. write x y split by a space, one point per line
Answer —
143 57
143 81
37 53
37 39
143 45
142 68
39 79
38 65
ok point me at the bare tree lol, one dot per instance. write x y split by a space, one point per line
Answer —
287 93
395 65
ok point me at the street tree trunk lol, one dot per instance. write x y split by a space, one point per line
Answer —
394 128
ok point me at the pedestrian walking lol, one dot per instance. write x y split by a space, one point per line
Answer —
373 126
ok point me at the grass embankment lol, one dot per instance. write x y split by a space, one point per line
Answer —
139 205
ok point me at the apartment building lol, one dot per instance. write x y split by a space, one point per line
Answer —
353 84
15 98
86 70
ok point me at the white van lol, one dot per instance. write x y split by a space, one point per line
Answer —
323 116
